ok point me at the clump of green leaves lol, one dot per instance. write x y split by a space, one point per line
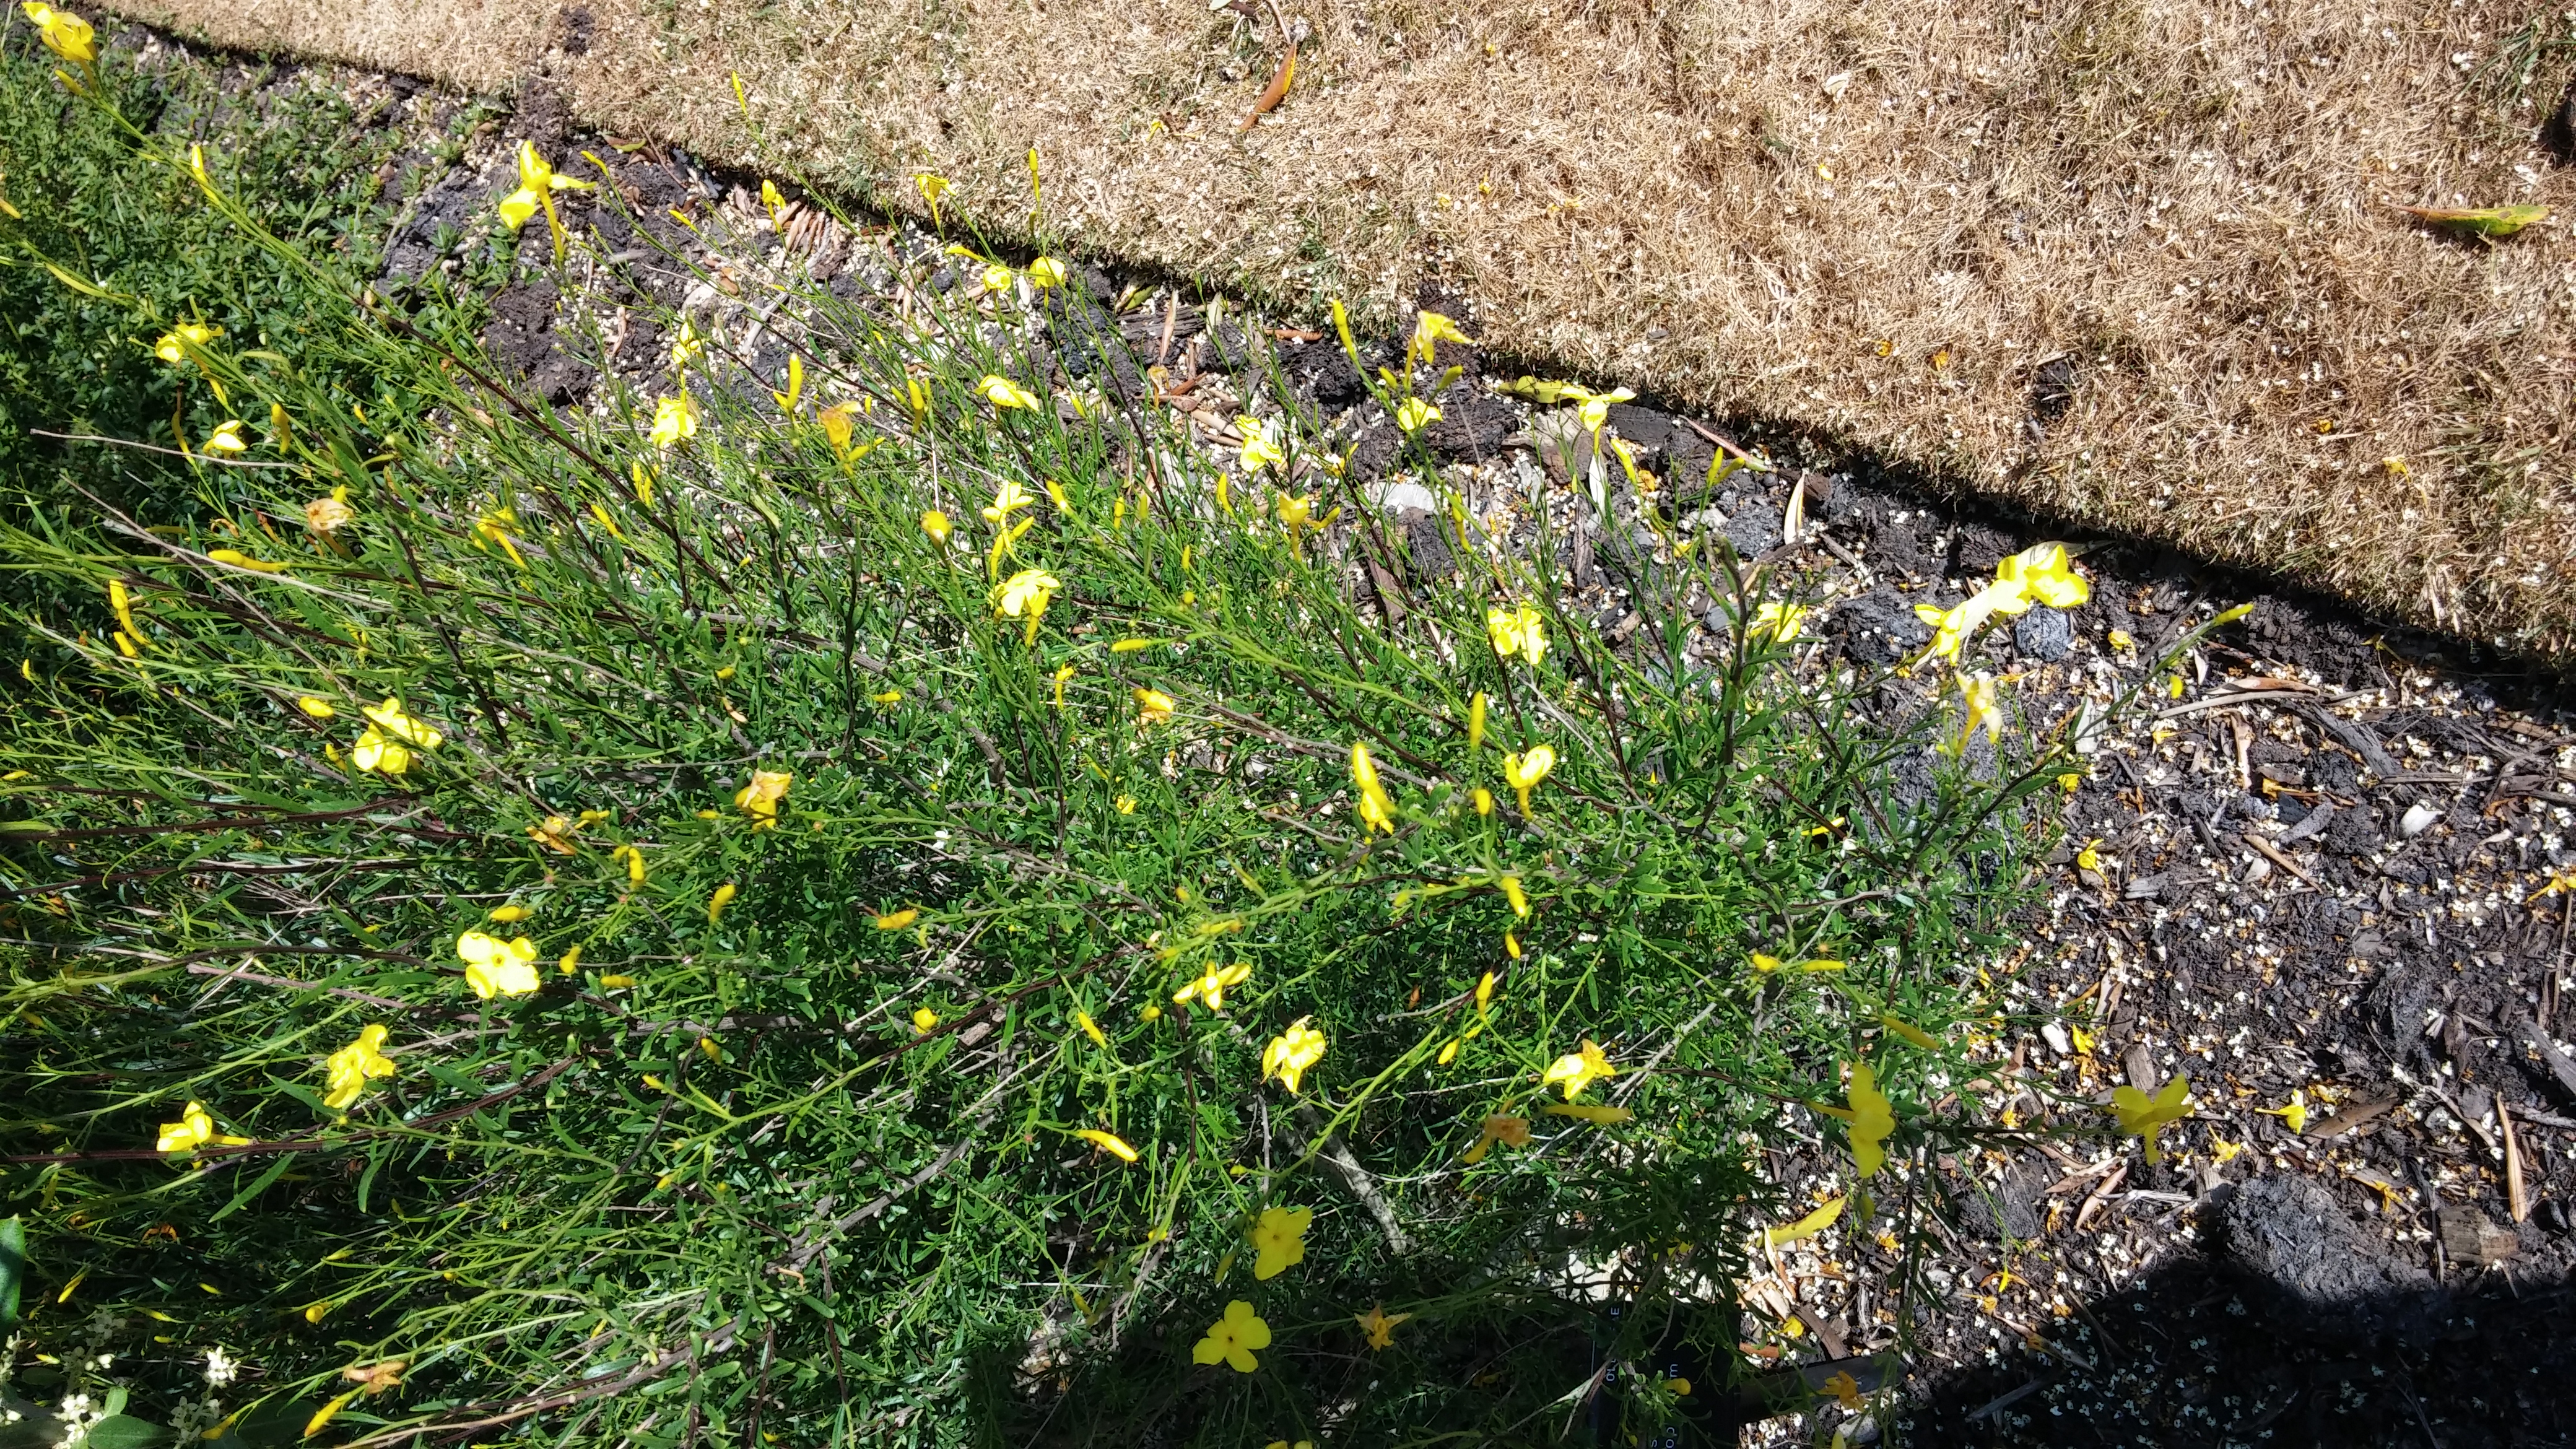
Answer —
665 939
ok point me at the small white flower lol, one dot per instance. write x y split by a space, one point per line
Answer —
73 1409
221 1368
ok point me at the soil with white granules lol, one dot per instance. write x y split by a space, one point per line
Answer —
2305 879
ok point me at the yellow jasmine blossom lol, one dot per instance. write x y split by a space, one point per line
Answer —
1233 1339
349 1068
1910 1032
1376 811
376 752
63 33
1521 630
1485 994
1046 272
494 967
1025 595
1509 1131
2089 858
634 863
932 187
180 342
2143 1116
2222 1151
510 914
226 440
1804 1228
1484 799
1297 514
1153 706
1290 1054
1768 965
722 898
675 421
1260 446
897 920
1577 1070
570 963
1512 945
1109 1142
935 523
923 1019
1871 1117
1523 771
1431 328
1279 1240
760 799
616 983
317 708
1126 804
2295 1115
1090 1028
121 604
1210 985
997 278
1378 1325
886 697
1596 405
330 513
1977 693
240 560
1007 499
1776 621
494 527
1513 893
686 345
538 184
2044 573
1476 722
1413 414
1598 1116
389 717
193 1130
1953 627
1001 392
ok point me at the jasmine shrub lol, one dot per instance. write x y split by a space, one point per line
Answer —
908 902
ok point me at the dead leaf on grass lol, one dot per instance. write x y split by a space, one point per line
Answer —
2495 223
1276 91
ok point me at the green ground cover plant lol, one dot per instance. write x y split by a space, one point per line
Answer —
904 905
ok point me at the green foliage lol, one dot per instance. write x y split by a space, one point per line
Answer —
789 1146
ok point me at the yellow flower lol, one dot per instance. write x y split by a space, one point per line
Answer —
240 560
379 753
1769 965
193 1130
2043 572
1577 1070
1413 414
389 717
181 342
494 967
1233 1339
886 697
226 440
1001 392
616 983
686 345
1509 1131
997 278
1513 893
2143 1116
722 898
2295 1115
760 799
1484 799
570 963
1522 772
1279 1240
1485 993
675 421
1596 405
537 185
1009 498
1210 985
63 33
897 920
2119 639
932 186
2222 1151
494 527
935 523
1953 627
1090 1028
1290 1053
634 863
1109 1142
1977 693
1025 595
923 1019
1431 328
1297 514
329 514
1046 272
1521 631
1872 1118
317 708
1376 811
1776 621
1126 804
509 914
1476 724
1598 1116
1260 446
1378 1325
1804 1228
1153 706
349 1068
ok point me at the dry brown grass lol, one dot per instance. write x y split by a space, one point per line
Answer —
1875 218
